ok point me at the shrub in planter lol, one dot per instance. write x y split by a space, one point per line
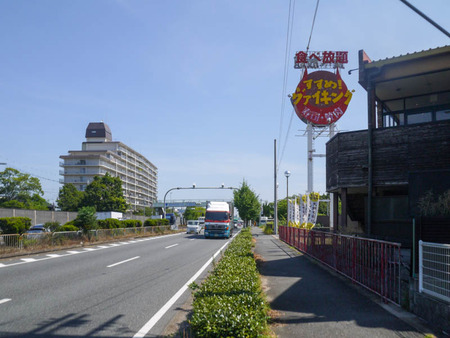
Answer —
230 303
108 223
15 225
156 222
131 223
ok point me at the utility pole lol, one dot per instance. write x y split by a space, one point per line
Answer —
275 211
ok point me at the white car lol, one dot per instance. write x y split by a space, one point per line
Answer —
194 226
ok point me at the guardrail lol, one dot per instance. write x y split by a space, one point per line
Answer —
434 270
10 244
373 264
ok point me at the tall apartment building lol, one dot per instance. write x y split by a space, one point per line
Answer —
101 155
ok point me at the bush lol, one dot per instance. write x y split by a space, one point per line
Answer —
15 225
156 222
67 227
131 223
52 226
230 302
86 219
109 223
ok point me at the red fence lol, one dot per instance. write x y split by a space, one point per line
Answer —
371 263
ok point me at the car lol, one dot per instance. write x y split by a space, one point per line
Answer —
36 231
194 226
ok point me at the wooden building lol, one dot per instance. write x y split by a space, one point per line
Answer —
380 174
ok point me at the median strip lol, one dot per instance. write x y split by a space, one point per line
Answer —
127 260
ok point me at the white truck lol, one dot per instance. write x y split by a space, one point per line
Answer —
218 219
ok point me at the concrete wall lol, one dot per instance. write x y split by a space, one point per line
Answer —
435 311
40 216
43 216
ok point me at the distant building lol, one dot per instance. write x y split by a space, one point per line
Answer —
101 155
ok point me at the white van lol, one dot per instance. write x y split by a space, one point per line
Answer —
193 226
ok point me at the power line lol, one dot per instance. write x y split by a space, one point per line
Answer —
286 66
288 38
312 26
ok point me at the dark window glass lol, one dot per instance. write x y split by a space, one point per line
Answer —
217 216
419 118
442 115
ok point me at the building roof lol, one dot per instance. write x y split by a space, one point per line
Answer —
98 130
407 75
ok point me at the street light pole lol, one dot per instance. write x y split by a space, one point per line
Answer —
287 173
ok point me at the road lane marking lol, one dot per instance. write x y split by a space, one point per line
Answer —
158 315
127 260
2 301
69 253
53 255
28 260
170 246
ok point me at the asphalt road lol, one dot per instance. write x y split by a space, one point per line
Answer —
110 290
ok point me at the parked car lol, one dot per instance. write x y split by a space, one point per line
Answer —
36 231
194 226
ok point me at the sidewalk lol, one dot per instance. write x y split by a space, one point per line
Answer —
311 301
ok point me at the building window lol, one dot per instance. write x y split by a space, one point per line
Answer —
419 118
443 115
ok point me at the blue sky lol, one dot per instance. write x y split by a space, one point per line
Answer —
195 86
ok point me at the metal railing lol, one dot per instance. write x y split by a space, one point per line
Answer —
434 270
10 244
371 263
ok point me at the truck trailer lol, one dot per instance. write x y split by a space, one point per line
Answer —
218 220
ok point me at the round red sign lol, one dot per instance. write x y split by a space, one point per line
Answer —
321 97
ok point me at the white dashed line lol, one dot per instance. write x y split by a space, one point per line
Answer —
170 246
2 301
83 250
127 260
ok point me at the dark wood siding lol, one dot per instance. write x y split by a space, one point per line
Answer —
396 152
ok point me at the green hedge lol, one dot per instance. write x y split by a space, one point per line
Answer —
67 227
15 225
109 223
230 303
156 222
131 223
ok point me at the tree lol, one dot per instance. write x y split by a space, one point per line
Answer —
14 185
268 209
247 203
69 198
194 213
105 194
282 209
86 219
21 190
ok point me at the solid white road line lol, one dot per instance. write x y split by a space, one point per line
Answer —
158 315
127 260
4 300
170 246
